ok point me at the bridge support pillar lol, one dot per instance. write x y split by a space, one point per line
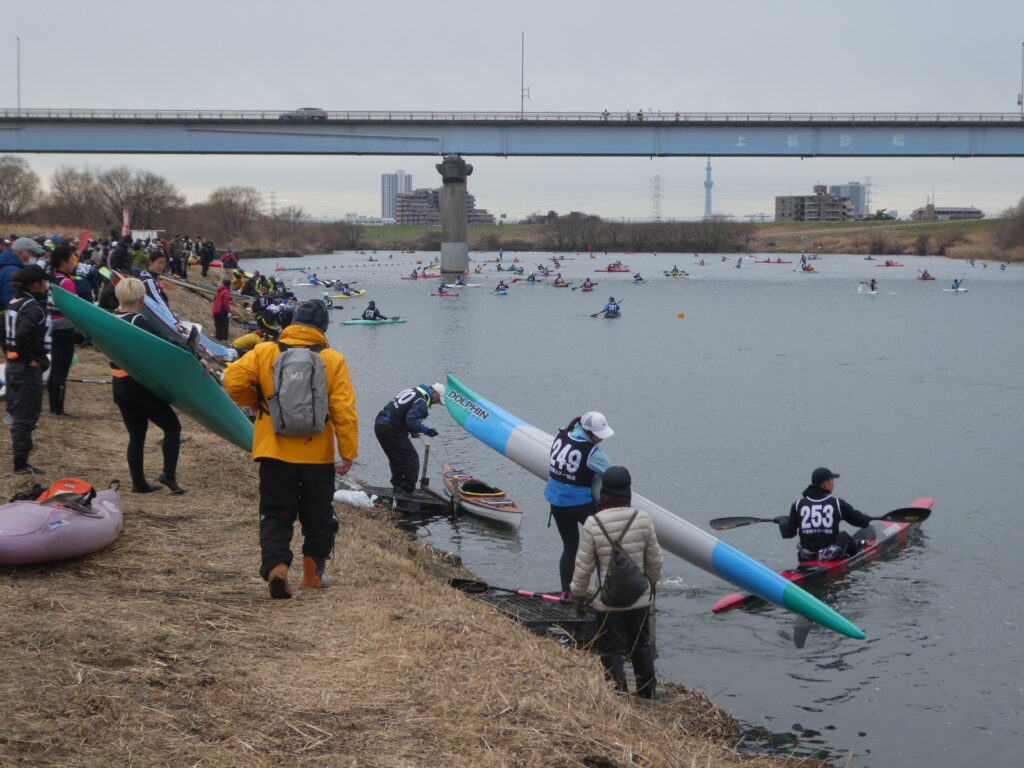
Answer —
454 239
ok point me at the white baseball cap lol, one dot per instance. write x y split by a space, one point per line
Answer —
595 422
439 389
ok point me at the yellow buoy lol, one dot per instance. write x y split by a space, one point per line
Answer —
681 315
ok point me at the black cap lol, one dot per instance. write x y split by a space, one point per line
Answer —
616 482
312 313
821 475
29 274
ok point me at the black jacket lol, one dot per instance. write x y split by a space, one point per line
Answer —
31 330
791 525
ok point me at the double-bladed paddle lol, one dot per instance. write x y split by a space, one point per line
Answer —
473 586
901 515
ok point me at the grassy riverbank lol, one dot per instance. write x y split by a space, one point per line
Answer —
165 650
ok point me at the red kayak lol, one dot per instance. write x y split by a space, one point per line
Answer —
889 264
420 277
449 293
922 277
769 261
880 536
611 269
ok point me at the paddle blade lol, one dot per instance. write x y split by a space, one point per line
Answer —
800 631
728 523
906 515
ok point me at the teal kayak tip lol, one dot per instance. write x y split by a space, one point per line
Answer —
797 600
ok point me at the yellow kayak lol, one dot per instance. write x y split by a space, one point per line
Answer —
352 295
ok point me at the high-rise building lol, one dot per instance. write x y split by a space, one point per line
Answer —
392 185
857 193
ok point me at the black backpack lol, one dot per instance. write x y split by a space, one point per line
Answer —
624 582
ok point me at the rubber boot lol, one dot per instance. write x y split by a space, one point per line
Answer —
277 580
313 576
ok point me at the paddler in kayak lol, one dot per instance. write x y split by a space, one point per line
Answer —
637 278
587 284
873 285
611 306
415 272
816 515
442 288
925 275
574 464
372 313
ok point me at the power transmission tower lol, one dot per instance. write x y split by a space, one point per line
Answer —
657 194
273 204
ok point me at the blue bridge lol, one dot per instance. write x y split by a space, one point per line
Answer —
511 134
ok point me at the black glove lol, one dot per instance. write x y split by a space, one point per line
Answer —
431 433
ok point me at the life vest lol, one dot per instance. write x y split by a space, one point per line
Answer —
567 462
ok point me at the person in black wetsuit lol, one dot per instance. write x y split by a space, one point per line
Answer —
139 406
401 417
372 313
816 515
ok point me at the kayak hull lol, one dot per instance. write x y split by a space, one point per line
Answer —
879 537
31 532
529 447
612 315
386 321
477 498
444 295
149 359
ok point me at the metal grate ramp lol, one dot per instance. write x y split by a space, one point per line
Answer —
538 615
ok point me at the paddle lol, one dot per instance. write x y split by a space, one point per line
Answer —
83 241
477 587
901 515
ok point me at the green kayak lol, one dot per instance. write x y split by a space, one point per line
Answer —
385 321
168 371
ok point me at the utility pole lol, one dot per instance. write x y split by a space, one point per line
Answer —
1020 96
524 92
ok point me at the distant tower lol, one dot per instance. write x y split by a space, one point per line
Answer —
657 194
708 184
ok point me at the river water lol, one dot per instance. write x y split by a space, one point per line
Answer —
769 373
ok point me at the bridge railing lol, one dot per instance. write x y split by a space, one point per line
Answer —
682 116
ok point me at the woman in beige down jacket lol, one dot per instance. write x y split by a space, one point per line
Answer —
620 631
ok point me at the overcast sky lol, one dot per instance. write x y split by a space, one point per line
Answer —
667 55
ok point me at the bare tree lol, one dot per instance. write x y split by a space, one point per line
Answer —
234 208
73 198
19 188
152 197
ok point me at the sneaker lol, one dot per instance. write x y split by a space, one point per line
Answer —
277 580
415 493
313 576
171 482
28 469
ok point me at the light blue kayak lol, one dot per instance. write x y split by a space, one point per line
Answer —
530 447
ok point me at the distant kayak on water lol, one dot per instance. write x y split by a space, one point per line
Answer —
382 321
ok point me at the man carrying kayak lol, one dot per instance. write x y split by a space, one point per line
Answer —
815 516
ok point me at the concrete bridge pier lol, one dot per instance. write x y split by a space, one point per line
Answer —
454 238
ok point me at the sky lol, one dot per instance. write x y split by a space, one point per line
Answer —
666 55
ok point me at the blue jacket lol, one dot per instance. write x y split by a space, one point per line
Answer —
9 264
560 494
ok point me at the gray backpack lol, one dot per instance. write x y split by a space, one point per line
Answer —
298 407
624 582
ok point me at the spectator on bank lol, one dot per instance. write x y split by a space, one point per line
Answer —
62 332
222 310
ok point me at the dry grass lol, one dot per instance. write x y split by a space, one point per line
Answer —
165 650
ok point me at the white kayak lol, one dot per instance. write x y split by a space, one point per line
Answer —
530 447
954 290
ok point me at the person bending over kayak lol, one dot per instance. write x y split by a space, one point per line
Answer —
399 419
574 468
816 515
611 306
372 313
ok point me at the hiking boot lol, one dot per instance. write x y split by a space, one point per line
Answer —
27 469
313 576
171 482
277 580
144 488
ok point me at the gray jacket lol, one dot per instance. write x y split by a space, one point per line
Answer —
640 543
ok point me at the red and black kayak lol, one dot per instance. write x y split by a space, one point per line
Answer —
880 536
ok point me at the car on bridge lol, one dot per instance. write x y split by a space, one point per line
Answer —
304 113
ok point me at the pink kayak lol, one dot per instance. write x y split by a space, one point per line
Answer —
449 293
38 532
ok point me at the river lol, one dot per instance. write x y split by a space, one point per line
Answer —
725 390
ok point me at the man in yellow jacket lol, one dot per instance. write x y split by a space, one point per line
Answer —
297 473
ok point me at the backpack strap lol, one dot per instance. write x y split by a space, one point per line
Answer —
616 545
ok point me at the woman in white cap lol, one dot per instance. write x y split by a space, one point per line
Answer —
574 469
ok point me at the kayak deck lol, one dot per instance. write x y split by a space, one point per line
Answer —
877 538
